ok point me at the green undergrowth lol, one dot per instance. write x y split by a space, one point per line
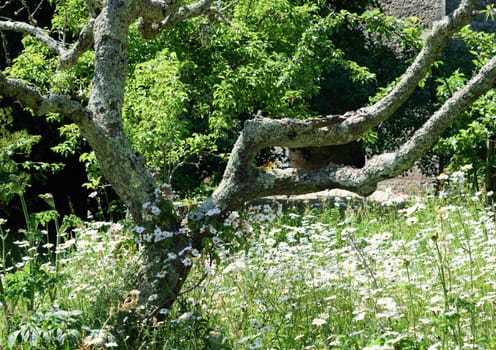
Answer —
355 276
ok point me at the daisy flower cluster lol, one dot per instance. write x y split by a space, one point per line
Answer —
420 277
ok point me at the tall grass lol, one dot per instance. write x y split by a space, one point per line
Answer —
373 278
355 276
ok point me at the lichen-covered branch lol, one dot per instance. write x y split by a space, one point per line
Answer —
243 181
348 127
67 56
158 15
84 43
437 38
35 32
430 132
196 9
30 97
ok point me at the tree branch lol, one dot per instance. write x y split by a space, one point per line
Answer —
157 15
67 57
30 97
243 181
84 43
35 32
439 35
196 9
343 129
462 99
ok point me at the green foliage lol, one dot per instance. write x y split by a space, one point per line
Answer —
76 81
69 17
72 142
16 167
186 103
48 299
489 12
108 207
35 65
53 329
25 283
155 110
466 141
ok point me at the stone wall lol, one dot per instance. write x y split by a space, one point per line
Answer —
431 10
427 10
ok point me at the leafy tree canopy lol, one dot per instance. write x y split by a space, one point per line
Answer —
191 88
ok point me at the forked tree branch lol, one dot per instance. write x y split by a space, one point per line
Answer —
84 43
243 181
158 15
335 129
67 56
439 35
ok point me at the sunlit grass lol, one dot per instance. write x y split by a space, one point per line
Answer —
360 276
376 278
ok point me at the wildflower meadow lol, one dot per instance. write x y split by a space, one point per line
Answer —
347 275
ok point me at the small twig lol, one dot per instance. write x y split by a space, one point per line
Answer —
30 15
37 7
179 165
7 3
3 37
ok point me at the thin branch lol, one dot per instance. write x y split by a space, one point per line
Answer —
352 125
28 10
30 97
157 15
35 32
67 57
441 32
84 43
179 165
7 3
202 7
37 8
461 100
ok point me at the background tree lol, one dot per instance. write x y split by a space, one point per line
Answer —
171 238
